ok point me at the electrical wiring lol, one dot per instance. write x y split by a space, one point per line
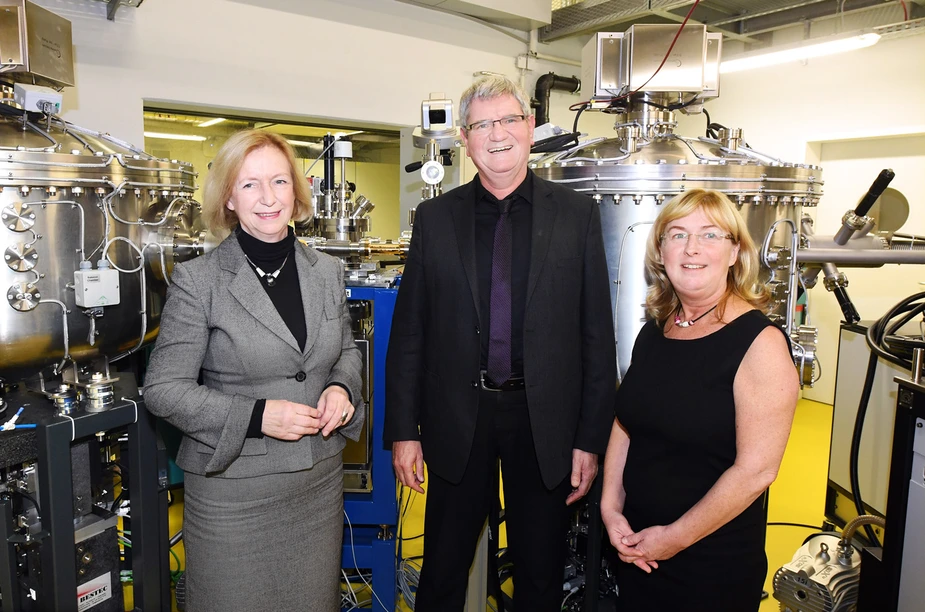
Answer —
574 107
583 108
408 578
879 344
788 524
356 566
671 107
35 504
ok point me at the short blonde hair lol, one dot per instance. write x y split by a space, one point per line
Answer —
742 278
224 172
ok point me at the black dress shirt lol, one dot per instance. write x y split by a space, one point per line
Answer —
487 213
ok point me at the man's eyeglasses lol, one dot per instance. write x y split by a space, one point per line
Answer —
484 127
710 238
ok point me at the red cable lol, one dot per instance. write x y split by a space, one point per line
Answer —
905 10
575 107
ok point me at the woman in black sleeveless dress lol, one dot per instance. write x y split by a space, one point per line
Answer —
702 420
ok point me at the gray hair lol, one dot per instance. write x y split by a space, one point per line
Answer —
490 87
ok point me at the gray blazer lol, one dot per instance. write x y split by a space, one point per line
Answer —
219 323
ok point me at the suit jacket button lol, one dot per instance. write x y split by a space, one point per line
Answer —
300 376
477 330
474 384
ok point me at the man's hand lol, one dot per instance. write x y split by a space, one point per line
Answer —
584 469
285 420
336 409
408 461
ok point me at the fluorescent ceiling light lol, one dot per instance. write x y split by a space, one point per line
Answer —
301 143
793 54
174 136
211 122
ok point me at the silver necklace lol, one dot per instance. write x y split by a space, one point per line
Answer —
268 277
680 323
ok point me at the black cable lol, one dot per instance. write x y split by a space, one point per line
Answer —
707 115
34 503
854 454
115 502
577 115
554 143
670 107
879 348
787 524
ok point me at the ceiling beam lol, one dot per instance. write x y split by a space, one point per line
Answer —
727 33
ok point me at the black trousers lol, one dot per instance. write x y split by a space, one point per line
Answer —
536 518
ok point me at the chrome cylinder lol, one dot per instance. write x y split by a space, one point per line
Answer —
71 195
631 179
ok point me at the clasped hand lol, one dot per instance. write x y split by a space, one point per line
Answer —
285 420
645 548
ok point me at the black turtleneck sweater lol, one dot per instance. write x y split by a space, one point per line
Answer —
285 294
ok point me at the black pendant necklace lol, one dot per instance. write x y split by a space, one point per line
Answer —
269 278
678 322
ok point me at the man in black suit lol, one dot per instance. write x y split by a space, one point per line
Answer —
502 346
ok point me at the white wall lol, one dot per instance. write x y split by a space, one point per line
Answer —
362 60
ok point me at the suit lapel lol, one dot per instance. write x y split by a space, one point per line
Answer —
247 290
463 210
313 293
544 218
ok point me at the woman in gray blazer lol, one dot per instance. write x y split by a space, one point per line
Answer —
256 364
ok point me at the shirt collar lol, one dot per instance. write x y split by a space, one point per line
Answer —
523 191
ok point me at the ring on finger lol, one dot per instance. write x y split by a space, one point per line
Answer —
343 416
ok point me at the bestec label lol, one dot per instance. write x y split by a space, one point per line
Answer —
94 592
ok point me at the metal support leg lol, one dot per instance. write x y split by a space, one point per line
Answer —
8 588
149 555
56 498
384 574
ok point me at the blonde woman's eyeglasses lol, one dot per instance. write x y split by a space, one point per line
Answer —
705 238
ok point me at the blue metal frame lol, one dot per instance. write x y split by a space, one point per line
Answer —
374 515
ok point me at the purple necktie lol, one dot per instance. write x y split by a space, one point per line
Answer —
498 367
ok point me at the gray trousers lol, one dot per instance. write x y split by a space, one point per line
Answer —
269 543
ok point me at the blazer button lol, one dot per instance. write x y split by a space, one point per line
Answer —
474 384
300 376
477 330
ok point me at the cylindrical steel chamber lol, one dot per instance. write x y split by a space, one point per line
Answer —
634 175
70 195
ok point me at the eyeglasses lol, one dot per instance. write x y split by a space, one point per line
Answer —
484 127
706 238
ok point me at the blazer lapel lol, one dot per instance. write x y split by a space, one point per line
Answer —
313 293
246 288
544 218
463 210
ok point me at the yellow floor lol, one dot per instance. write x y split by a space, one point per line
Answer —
798 496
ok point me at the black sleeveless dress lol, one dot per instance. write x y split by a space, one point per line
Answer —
676 402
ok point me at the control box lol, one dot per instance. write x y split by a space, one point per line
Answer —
35 98
93 288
